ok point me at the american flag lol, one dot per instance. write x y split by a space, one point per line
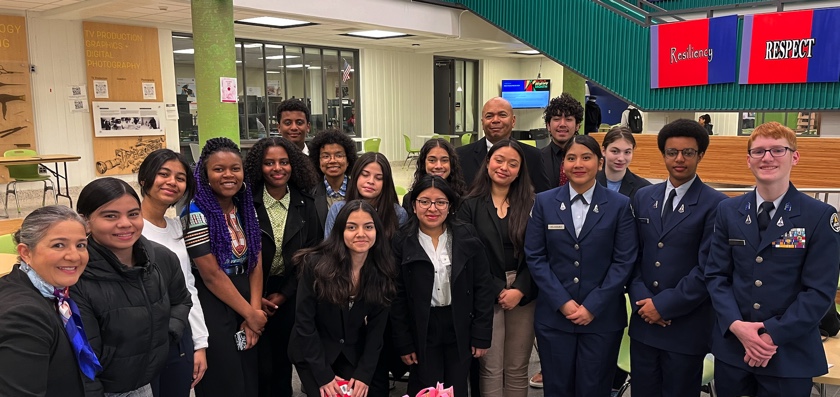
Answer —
345 73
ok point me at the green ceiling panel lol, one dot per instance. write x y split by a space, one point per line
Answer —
614 52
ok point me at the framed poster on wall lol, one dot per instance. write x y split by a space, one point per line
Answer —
112 119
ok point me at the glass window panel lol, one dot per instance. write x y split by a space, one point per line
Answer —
185 88
348 115
313 72
459 96
332 86
240 87
275 77
254 96
470 96
294 73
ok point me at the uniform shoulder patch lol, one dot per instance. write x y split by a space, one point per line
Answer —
835 222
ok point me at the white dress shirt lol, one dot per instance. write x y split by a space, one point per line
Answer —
442 261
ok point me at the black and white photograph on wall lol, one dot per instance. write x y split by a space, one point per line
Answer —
128 118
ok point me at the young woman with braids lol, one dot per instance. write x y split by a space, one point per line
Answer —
346 288
280 177
372 180
222 235
498 206
437 157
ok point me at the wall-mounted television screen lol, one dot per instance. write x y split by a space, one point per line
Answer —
527 94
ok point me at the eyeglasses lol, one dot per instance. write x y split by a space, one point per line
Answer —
777 151
426 203
687 153
337 156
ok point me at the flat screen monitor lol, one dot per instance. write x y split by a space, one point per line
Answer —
527 94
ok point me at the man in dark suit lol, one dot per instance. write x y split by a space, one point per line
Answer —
670 329
498 120
563 116
771 275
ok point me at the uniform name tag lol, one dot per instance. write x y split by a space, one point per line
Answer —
644 220
557 227
735 241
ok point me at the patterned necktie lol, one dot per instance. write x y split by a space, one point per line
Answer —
563 178
69 312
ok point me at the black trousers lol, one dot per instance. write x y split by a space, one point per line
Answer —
661 373
175 378
230 372
441 361
275 373
731 381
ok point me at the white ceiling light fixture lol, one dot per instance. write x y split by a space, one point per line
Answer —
272 71
376 34
249 45
281 57
185 51
273 46
274 22
528 52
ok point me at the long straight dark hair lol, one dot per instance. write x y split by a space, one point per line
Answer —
520 196
387 199
330 265
426 182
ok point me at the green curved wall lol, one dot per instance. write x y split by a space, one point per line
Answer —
614 52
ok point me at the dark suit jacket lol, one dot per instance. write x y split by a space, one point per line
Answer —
591 269
302 231
472 297
480 212
472 157
552 167
630 184
788 289
36 358
323 330
673 274
322 207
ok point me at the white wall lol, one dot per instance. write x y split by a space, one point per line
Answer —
725 123
56 49
397 97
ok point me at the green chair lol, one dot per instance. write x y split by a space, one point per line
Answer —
372 144
412 153
7 244
466 139
400 190
529 142
624 360
25 173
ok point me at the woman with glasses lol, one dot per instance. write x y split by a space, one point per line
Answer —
280 176
333 154
498 206
619 146
442 316
580 245
437 157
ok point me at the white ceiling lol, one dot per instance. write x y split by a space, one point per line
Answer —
478 39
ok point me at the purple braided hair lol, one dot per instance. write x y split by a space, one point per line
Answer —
206 201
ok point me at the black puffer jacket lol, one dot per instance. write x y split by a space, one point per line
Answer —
130 314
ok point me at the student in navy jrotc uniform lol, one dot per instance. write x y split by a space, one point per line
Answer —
771 274
580 245
673 316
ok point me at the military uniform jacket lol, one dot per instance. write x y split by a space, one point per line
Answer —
591 268
785 277
670 268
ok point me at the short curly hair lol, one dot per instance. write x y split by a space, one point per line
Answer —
684 128
564 105
303 177
327 137
293 105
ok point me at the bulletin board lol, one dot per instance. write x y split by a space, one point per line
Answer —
123 65
17 128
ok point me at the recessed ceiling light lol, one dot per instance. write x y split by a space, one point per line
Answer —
281 57
273 46
528 52
313 67
274 22
185 51
272 71
296 66
377 34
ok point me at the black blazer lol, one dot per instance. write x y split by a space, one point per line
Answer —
36 357
552 170
480 211
472 157
472 297
323 330
302 231
629 184
322 207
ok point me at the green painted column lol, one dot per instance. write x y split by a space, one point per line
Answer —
575 85
215 57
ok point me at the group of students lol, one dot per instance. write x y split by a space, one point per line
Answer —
300 254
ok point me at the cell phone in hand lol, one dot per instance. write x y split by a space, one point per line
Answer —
240 339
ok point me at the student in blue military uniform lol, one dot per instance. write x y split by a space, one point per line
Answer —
771 274
672 319
580 245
